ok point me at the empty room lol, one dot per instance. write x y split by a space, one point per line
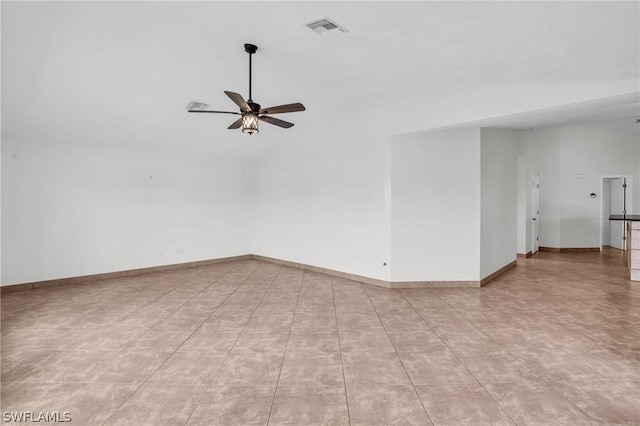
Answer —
320 213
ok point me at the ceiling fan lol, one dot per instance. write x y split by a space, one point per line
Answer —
250 111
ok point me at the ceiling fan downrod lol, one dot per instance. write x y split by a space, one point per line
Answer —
250 49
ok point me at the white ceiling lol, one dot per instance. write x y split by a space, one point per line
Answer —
121 73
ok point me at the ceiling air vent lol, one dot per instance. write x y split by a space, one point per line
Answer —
197 106
326 27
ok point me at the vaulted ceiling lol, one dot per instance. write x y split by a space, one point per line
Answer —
121 73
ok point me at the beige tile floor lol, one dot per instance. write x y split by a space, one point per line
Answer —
554 341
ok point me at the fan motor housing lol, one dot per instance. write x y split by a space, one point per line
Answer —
255 108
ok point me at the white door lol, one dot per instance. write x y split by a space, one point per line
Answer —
535 196
606 206
616 206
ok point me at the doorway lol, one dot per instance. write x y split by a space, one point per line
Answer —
616 194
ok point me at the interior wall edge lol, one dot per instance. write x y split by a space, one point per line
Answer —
499 272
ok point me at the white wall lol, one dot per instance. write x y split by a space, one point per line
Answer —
435 206
572 161
321 198
498 201
71 210
322 194
523 184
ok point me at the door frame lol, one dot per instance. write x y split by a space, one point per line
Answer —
535 213
628 197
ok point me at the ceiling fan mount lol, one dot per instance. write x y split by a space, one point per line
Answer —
251 112
250 48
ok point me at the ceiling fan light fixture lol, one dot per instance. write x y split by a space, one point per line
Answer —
250 123
250 112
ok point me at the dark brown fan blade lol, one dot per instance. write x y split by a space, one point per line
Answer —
236 124
283 108
275 121
214 112
239 100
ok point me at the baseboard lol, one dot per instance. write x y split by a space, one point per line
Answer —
331 272
434 284
524 255
570 249
119 274
580 250
367 280
497 273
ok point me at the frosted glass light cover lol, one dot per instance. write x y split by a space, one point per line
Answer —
250 123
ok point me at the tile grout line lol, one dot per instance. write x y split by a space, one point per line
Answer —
344 378
460 361
514 357
506 350
398 355
131 312
160 366
213 377
208 316
164 362
174 288
273 401
571 402
174 310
